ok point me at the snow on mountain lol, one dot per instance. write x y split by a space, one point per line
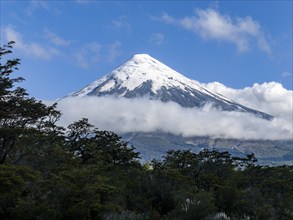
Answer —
144 76
138 70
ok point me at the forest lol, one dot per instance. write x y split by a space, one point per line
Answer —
80 172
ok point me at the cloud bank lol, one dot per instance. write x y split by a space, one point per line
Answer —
270 97
212 25
143 115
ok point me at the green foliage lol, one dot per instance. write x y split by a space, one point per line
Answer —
91 146
190 205
80 172
20 115
18 191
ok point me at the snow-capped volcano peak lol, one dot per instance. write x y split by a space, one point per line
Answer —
142 57
144 76
141 69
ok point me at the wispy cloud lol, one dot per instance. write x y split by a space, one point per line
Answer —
32 49
286 74
84 1
88 55
85 55
35 5
210 24
114 51
91 54
157 38
55 39
120 24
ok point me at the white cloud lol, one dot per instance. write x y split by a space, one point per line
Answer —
127 115
55 39
157 38
31 49
270 97
210 24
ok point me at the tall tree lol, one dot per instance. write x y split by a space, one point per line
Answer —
20 114
91 145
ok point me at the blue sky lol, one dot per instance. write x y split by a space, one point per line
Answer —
65 45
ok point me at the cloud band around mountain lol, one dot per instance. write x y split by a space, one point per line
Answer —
142 115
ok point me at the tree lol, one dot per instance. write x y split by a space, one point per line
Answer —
20 115
92 146
115 151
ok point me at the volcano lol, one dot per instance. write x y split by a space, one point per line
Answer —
144 76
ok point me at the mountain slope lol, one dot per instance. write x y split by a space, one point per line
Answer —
144 76
153 145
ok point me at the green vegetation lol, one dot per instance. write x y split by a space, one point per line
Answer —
80 172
